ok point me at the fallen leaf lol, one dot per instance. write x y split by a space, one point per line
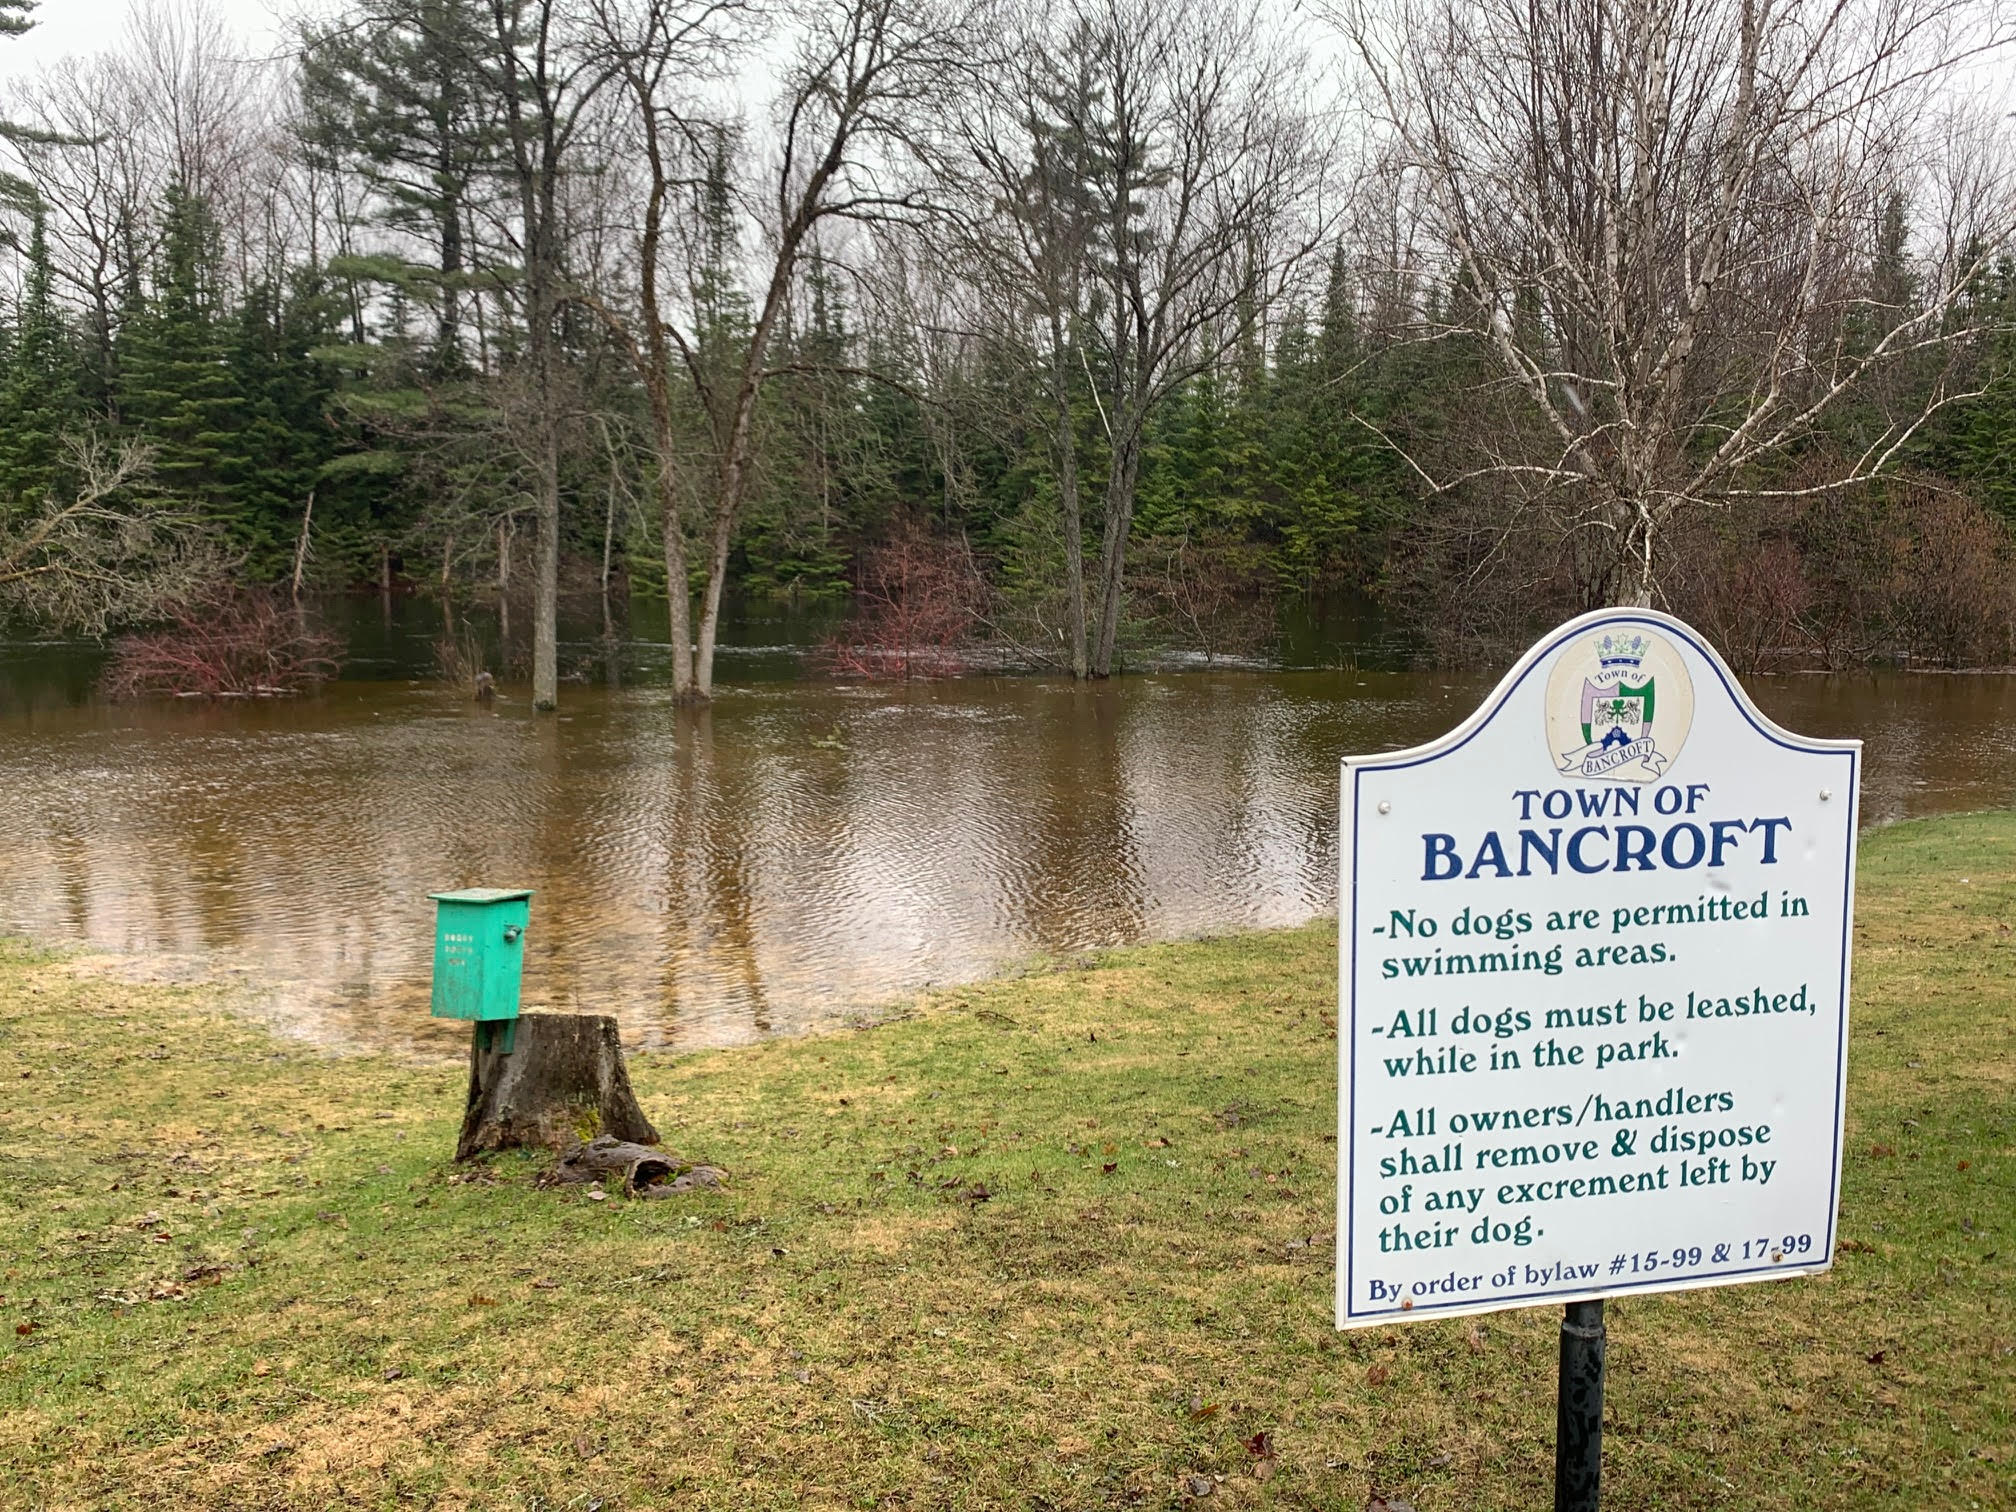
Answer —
1388 1504
1475 1338
598 1195
1197 1485
392 1374
1202 1411
1261 1445
1965 1163
1876 1358
480 1300
1109 1168
25 1329
1377 1375
1263 1470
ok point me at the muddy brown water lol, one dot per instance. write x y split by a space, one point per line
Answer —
798 851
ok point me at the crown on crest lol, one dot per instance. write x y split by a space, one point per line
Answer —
1621 650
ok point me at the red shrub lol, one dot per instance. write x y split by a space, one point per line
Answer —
237 645
915 607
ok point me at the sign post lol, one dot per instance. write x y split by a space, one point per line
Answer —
1594 993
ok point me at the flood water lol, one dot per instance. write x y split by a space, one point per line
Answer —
797 851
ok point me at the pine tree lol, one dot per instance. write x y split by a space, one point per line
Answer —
720 305
37 389
404 103
16 193
177 385
283 436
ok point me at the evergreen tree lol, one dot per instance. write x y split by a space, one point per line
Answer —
177 384
37 388
404 102
283 437
720 305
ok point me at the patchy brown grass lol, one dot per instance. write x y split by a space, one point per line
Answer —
250 1277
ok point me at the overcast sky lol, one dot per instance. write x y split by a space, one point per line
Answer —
63 27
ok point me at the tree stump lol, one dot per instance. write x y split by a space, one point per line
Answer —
564 1082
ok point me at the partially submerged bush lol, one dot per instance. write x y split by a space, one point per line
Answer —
916 605
233 644
1907 572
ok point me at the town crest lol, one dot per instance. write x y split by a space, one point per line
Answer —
1619 704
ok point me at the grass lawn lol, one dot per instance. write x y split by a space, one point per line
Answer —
1061 1241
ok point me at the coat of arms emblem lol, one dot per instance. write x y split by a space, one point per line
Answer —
1627 694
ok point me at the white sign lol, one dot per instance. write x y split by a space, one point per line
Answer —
1594 988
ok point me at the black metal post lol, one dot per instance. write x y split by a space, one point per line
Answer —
1578 1412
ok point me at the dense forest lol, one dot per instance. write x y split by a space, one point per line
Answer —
1074 328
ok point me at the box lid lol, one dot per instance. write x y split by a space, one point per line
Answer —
482 895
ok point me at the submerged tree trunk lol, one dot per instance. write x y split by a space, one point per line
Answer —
1113 557
504 533
727 509
563 1082
678 595
1065 446
546 547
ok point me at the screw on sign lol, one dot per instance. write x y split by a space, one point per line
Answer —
1594 951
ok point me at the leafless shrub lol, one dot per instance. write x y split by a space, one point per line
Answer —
1954 589
1909 572
459 658
1740 576
109 552
915 608
232 644
1205 596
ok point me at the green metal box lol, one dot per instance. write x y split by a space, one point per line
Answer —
479 951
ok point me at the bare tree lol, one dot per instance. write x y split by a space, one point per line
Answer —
662 51
852 123
1157 170
547 76
1674 233
85 159
1031 244
109 553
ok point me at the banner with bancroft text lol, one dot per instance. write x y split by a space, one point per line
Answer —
1594 988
